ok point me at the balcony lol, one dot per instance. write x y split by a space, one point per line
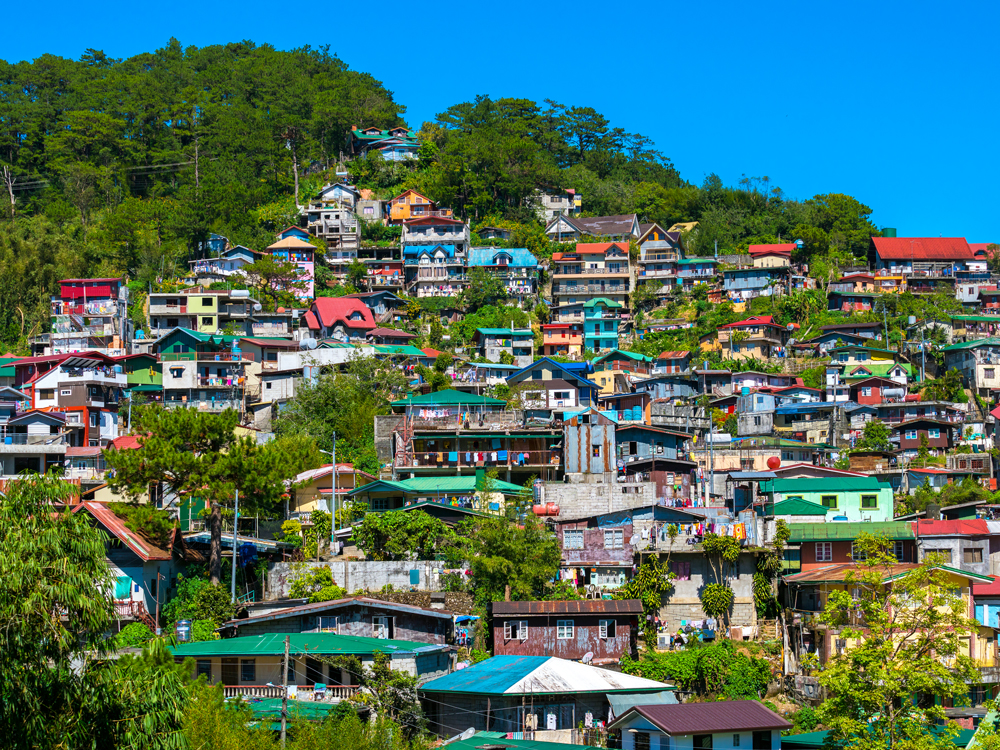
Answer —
207 405
467 459
578 271
563 291
19 442
164 309
209 382
207 357
663 273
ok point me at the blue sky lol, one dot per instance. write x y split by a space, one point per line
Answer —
894 103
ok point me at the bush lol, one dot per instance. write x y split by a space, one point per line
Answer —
805 720
203 630
717 669
318 585
133 635
716 599
198 599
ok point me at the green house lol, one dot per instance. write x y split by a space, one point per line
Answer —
845 497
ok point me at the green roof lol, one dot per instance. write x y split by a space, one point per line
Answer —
7 366
449 397
879 370
597 300
273 644
490 738
505 332
849 347
627 355
993 341
839 531
977 318
436 485
817 740
144 388
824 484
796 506
695 260
409 351
270 709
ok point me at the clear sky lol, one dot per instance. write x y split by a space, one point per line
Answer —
895 103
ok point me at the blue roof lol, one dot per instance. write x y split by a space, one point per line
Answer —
415 250
573 369
612 415
490 677
520 257
810 407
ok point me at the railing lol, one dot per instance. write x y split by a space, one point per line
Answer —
657 274
253 691
129 608
560 271
208 405
157 308
209 382
207 357
85 472
455 421
469 458
579 289
93 309
20 438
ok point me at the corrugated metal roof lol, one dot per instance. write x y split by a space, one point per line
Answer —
434 485
622 702
709 718
538 676
273 644
797 507
520 257
838 531
923 248
593 606
952 527
305 609
498 739
449 397
824 484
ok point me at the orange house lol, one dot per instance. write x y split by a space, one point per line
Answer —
412 205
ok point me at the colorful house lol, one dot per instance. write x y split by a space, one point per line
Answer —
601 318
756 337
411 205
564 339
340 318
852 498
297 251
516 268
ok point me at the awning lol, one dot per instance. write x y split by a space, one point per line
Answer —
144 388
622 702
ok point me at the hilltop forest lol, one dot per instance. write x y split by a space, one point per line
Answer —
111 167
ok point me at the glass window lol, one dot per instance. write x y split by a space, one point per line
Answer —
573 539
934 434
248 670
945 555
702 742
614 539
869 501
824 551
972 555
858 554
564 629
205 668
911 435
829 501
762 740
736 740
641 740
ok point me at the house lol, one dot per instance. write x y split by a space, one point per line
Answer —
962 543
311 490
659 453
516 268
385 306
626 407
552 387
617 370
659 252
875 391
604 629
756 337
600 269
742 284
87 315
394 144
202 310
340 193
337 225
31 441
493 233
354 616
411 205
772 256
667 387
720 725
515 693
853 497
552 204
693 271
390 336
257 659
301 254
821 543
228 263
672 362
460 493
564 339
204 371
493 342
434 270
601 318
339 318
144 571
908 436
437 229
978 361
370 209
571 229
923 257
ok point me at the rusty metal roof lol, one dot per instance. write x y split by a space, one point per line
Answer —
707 718
588 607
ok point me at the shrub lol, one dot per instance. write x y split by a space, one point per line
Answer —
151 523
133 635
318 585
716 599
203 630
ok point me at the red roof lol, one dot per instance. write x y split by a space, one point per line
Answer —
592 248
708 718
987 589
756 250
89 281
333 310
756 320
674 355
923 248
125 442
431 352
980 247
432 220
956 527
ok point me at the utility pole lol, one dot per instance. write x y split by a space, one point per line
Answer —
236 519
284 697
333 498
159 577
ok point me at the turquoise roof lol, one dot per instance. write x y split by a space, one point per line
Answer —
506 332
449 397
520 257
273 644
434 485
409 351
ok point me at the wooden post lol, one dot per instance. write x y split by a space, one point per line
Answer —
284 699
487 714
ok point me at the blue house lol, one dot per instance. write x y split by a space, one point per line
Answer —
297 232
749 282
601 317
659 454
667 386
692 271
517 267
551 386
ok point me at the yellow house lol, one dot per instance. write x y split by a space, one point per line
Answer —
411 205
614 371
311 490
206 308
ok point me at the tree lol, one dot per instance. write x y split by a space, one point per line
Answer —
484 289
403 535
650 583
946 388
436 335
906 634
357 274
645 296
198 455
274 282
317 585
875 437
57 689
722 552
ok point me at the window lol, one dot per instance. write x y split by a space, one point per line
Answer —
95 419
829 501
606 629
858 554
869 501
230 669
248 670
899 551
641 740
934 434
824 551
972 555
536 374
702 742
614 539
327 624
267 385
945 554
47 393
206 321
762 740
736 740
562 394
989 373
564 629
515 629
910 435
573 539
205 668
66 392
381 627
867 391
682 570
206 301
596 451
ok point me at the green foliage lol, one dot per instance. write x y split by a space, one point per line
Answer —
649 585
562 591
805 720
948 387
198 599
133 635
484 289
203 630
716 599
403 535
273 282
913 641
721 669
146 520
875 437
320 528
317 585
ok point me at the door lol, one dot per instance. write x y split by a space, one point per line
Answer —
314 672
230 672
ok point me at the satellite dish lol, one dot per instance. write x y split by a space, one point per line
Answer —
257 307
588 657
309 343
469 733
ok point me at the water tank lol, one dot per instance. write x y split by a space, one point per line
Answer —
183 631
745 390
239 294
888 231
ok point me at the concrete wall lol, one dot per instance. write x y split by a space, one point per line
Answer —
957 546
358 574
684 603
577 499
384 426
